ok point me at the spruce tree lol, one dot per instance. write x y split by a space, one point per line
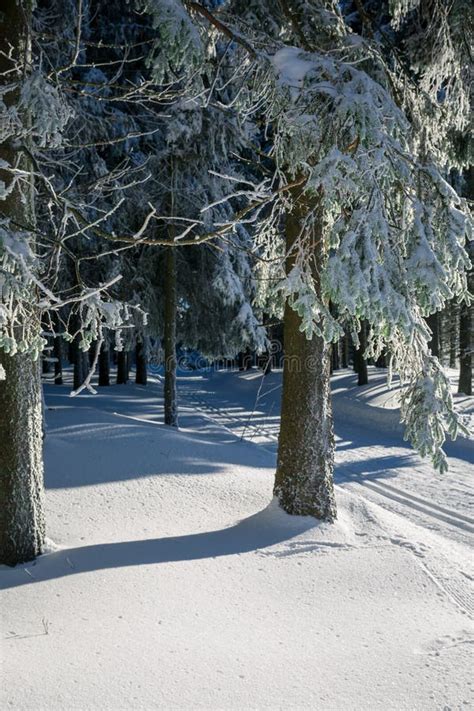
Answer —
22 527
346 127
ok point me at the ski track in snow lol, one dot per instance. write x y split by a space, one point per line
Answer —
245 430
455 583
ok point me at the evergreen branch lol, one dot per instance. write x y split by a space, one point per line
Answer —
220 26
137 238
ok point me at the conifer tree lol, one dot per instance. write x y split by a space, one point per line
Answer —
22 527
350 132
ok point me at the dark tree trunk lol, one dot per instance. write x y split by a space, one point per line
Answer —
277 345
22 527
46 355
79 357
304 476
381 361
465 347
91 353
453 329
345 351
170 313
81 368
141 363
435 344
466 314
466 344
360 363
264 361
58 363
122 367
245 359
45 360
335 356
104 364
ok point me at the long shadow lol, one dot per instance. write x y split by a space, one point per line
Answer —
76 454
380 467
263 529
94 447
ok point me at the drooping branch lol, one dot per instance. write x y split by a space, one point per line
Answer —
220 26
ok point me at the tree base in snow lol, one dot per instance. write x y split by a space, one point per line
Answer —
22 527
321 506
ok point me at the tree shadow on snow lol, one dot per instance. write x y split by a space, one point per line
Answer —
379 467
261 530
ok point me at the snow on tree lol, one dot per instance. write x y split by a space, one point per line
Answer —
381 232
297 153
22 527
47 224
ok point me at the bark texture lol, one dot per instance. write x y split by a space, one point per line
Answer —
304 476
22 526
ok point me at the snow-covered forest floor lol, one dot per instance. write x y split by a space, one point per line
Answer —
172 582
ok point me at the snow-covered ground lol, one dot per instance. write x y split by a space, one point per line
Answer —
175 582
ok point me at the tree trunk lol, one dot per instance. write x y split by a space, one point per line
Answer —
170 389
122 367
264 361
453 326
91 353
79 357
70 353
58 363
466 338
81 368
345 351
45 360
245 359
466 314
22 527
360 363
335 356
381 361
465 347
141 363
434 345
304 476
104 364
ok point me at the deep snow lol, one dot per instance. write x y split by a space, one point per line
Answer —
175 582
